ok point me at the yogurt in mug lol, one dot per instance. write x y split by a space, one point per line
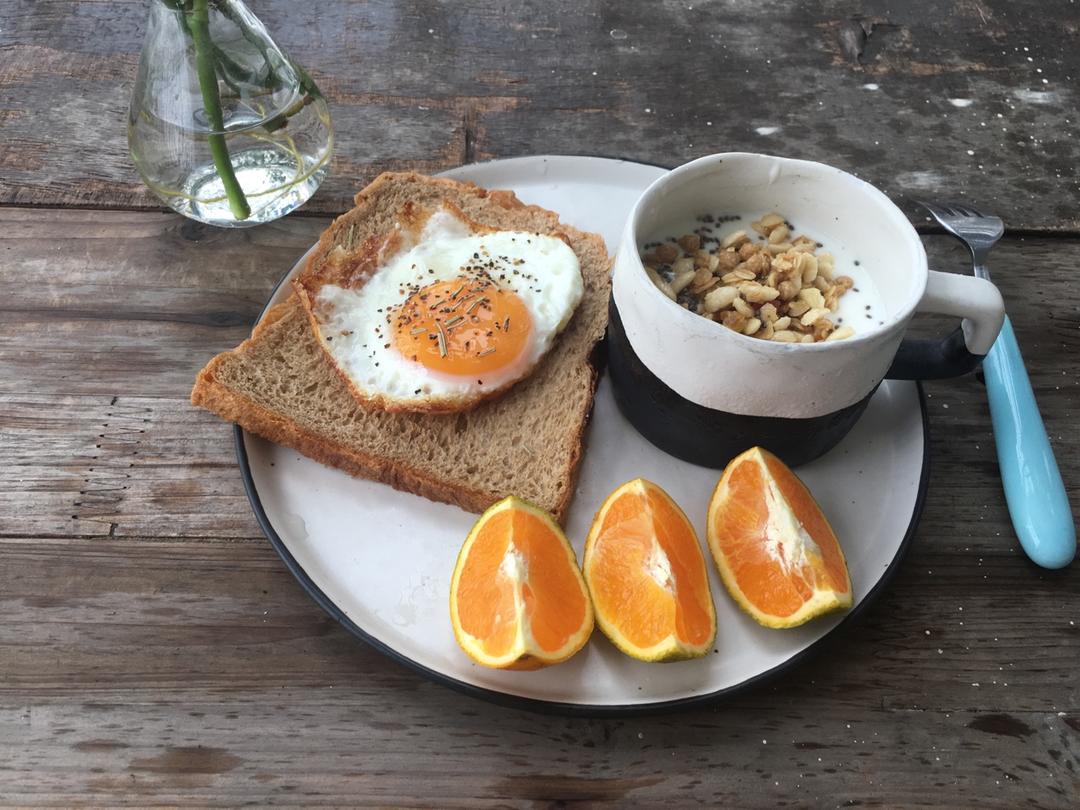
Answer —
704 392
861 307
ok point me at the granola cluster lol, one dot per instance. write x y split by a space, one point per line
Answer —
773 286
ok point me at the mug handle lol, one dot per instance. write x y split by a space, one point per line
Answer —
974 299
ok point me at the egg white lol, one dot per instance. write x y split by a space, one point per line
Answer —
354 323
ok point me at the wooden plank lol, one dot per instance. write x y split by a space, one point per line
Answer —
123 302
163 311
157 614
145 297
344 749
97 465
156 651
169 294
130 302
172 667
971 100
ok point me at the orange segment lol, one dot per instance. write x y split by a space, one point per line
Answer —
774 549
646 574
517 598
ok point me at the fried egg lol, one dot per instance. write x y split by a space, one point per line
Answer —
453 315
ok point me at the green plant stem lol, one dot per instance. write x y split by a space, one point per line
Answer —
199 24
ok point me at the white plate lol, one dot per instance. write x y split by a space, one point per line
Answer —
380 560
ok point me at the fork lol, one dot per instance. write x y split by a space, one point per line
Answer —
1033 487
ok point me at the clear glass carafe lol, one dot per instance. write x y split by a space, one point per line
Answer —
223 126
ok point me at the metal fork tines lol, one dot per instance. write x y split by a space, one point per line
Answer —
976 230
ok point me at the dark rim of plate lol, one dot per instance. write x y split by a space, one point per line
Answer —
579 709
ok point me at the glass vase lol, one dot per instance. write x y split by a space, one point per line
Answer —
223 126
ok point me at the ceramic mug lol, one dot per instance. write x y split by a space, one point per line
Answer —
704 393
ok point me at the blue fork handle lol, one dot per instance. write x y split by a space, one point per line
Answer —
1029 473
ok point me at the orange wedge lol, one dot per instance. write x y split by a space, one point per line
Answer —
776 553
646 574
517 599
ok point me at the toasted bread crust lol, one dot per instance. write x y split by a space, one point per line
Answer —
213 393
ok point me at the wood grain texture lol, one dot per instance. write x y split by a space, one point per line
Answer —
974 99
155 651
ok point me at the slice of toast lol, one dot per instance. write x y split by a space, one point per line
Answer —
280 385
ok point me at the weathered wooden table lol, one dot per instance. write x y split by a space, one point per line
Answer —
154 649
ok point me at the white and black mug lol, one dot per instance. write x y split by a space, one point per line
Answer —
704 393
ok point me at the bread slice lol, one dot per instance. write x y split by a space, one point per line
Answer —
280 385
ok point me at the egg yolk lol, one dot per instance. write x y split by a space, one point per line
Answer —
465 326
